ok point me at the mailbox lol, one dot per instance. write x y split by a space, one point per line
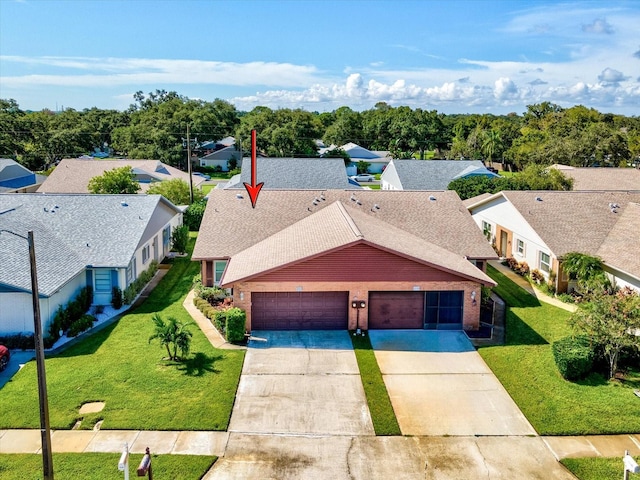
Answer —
630 465
145 465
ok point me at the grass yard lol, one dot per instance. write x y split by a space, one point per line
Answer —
382 414
526 368
207 188
596 468
103 466
118 366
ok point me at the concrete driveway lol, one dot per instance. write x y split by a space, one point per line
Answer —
440 385
18 359
301 382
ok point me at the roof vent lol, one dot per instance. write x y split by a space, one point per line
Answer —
432 198
353 198
538 199
56 206
239 196
613 210
614 205
45 209
322 197
375 207
358 202
315 202
124 204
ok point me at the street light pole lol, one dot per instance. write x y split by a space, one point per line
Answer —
45 431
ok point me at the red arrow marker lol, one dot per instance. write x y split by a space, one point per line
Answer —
253 190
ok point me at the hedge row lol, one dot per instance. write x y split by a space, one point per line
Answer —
132 291
231 322
70 316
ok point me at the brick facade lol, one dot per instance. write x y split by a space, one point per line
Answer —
360 291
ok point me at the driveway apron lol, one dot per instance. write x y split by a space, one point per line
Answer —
301 382
440 385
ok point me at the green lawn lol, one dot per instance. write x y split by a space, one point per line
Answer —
103 466
597 468
526 368
207 188
382 414
118 366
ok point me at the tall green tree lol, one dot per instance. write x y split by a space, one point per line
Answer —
176 191
612 322
117 181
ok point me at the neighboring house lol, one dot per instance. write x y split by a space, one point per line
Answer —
15 178
378 160
72 175
295 173
540 227
98 240
303 259
221 157
429 174
622 179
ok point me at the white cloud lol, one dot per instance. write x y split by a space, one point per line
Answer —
141 71
609 75
599 26
505 89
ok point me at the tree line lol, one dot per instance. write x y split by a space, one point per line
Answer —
154 127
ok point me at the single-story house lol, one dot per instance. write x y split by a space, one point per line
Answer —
72 175
102 241
540 227
295 173
221 157
429 174
16 178
345 259
377 159
593 178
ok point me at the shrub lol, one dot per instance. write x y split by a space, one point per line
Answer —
512 263
85 322
573 356
522 268
180 238
85 297
192 216
219 319
536 276
236 320
18 342
116 297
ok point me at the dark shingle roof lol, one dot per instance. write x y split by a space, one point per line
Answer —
435 174
73 231
298 173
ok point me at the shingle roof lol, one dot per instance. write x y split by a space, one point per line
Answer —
72 175
338 226
621 248
571 221
602 178
73 231
435 174
298 173
230 225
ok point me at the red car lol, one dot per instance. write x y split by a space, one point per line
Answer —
5 355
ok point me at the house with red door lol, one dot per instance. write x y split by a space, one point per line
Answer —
345 259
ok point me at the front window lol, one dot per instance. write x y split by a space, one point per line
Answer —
219 266
145 254
520 247
486 230
545 262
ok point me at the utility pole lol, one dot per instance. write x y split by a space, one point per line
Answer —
189 165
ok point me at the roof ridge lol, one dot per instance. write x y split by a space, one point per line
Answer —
350 222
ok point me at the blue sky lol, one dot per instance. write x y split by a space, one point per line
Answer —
453 56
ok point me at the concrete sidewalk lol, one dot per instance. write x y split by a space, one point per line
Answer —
112 441
526 286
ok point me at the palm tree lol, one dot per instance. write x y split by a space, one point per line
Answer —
491 144
173 334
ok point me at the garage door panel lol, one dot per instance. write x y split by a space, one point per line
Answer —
299 310
396 310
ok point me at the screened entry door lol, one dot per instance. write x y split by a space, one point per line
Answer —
443 310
